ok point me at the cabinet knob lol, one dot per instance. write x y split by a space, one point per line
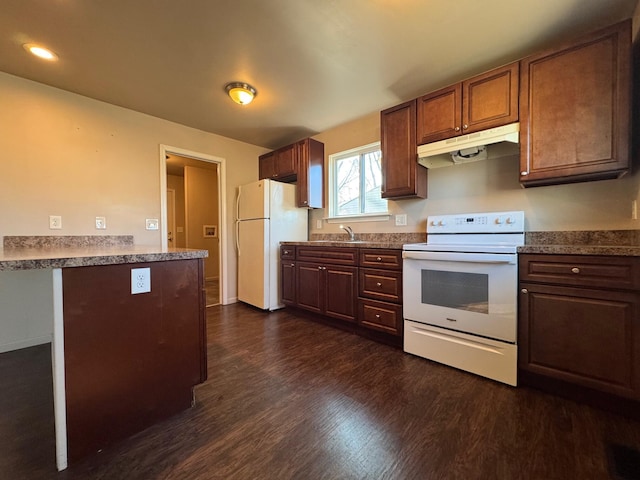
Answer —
457 129
275 174
524 290
379 284
464 127
377 315
575 270
524 173
305 202
293 265
286 252
379 259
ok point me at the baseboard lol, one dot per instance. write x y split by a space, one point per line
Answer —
31 342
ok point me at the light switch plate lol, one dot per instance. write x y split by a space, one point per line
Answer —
101 223
140 280
401 220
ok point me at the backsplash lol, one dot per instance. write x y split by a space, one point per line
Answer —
57 241
410 237
593 237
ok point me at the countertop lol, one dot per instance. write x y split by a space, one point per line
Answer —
363 240
591 242
29 258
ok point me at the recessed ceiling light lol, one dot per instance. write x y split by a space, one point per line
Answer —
40 51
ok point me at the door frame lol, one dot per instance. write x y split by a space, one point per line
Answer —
222 207
171 207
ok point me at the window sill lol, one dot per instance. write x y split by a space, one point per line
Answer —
375 217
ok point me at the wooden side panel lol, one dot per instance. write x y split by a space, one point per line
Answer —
130 360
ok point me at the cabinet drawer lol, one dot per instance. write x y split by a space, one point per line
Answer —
335 255
581 270
381 258
288 252
385 285
381 316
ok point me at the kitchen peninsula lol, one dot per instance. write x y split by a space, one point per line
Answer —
127 327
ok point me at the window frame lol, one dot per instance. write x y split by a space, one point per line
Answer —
332 216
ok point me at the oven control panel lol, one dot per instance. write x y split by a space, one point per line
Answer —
493 222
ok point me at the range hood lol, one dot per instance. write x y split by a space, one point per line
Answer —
491 143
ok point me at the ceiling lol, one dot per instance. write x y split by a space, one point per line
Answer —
315 63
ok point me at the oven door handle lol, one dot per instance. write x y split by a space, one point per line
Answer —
494 258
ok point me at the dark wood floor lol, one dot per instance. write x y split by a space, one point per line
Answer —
288 398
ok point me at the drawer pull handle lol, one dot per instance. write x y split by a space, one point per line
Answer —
379 284
575 270
524 290
451 319
379 259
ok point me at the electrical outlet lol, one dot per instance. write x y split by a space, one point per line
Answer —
152 223
101 223
401 220
318 224
55 222
140 280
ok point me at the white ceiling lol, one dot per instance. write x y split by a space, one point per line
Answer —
315 63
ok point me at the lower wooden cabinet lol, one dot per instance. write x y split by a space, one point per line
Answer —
328 282
579 322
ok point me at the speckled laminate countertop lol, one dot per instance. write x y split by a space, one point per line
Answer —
596 242
31 252
63 257
363 240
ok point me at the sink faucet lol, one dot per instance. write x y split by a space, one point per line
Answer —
348 229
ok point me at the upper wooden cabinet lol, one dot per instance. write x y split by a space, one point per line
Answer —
279 165
402 175
485 101
575 110
301 162
309 190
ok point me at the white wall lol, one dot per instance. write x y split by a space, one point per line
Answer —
491 185
65 154
26 316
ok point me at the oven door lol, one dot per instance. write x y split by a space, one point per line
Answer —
468 292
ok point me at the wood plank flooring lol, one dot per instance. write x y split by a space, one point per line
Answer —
288 398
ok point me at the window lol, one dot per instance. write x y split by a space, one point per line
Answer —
355 181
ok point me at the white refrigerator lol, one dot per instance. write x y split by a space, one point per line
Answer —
266 214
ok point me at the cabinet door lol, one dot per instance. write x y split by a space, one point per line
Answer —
286 162
288 282
440 114
341 292
267 165
584 336
575 110
309 286
402 175
491 99
309 188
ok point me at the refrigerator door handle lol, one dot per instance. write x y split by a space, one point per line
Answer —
238 236
238 203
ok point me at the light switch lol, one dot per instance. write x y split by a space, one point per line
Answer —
401 220
140 280
152 223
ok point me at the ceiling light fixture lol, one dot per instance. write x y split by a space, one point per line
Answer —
240 92
40 51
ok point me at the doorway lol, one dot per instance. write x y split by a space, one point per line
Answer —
193 211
